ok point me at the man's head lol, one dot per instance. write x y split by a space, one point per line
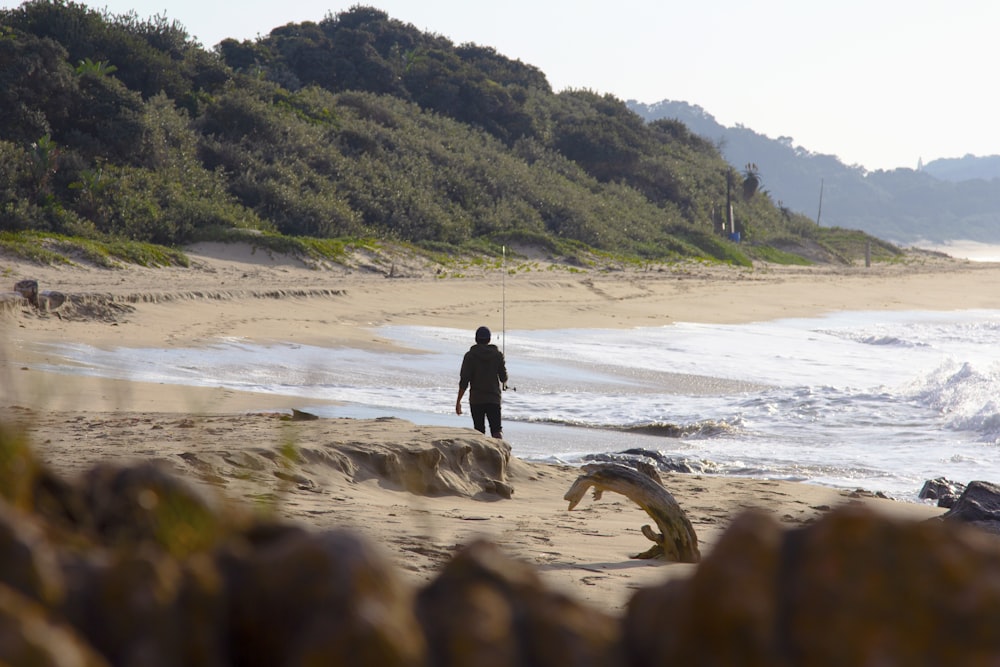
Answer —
482 335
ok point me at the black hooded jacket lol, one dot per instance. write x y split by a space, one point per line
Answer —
483 370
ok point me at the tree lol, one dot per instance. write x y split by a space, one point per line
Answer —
98 68
45 159
751 181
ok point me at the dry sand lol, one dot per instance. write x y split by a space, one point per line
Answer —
229 439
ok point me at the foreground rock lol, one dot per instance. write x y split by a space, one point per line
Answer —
979 505
855 588
133 565
486 609
299 598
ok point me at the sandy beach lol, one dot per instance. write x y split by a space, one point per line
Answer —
228 440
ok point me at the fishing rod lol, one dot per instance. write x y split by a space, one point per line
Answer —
503 299
503 308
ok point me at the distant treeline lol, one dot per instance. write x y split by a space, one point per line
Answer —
942 200
358 125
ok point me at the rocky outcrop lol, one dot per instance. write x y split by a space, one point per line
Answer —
943 490
29 290
979 505
46 301
855 588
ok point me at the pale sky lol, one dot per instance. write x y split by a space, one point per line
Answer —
878 83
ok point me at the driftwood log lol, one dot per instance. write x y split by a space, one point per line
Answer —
676 541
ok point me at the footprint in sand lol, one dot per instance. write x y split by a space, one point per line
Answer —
591 581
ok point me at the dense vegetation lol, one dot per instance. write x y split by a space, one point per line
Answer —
944 200
358 126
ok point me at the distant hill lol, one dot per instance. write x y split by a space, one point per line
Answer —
967 168
946 200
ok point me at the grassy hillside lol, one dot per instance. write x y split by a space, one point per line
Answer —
358 126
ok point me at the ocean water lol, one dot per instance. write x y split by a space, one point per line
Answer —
881 401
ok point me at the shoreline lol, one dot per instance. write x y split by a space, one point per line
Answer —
233 293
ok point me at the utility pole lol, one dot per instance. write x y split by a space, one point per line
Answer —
820 211
730 223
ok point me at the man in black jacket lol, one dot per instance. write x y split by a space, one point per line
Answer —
483 372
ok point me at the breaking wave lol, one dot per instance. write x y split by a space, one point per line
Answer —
965 395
